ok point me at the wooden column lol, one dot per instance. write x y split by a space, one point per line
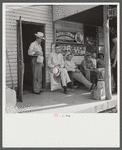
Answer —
107 53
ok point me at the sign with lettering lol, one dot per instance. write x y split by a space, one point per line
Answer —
77 50
69 37
63 24
112 12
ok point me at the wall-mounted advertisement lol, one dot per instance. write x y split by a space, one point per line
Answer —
69 37
77 50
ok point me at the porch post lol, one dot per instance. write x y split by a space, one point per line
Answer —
107 53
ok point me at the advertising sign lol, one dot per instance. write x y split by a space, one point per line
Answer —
77 50
69 37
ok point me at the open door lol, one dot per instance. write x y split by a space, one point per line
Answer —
28 36
20 60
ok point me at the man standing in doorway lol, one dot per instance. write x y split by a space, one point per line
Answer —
35 51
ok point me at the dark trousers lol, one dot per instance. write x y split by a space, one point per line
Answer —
114 72
115 77
37 75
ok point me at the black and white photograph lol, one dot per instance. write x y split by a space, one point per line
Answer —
61 59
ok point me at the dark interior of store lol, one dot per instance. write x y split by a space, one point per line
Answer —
92 18
28 35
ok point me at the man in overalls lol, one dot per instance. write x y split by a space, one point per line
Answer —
34 51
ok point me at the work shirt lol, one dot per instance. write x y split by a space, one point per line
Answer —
55 59
70 65
85 65
94 62
100 63
34 47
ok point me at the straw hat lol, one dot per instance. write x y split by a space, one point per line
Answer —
68 55
58 47
56 71
40 35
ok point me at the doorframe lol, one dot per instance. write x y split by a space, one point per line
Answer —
44 52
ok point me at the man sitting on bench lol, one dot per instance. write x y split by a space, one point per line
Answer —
76 73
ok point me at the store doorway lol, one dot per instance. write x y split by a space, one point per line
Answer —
28 35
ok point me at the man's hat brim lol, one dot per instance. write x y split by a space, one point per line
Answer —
41 37
87 55
68 54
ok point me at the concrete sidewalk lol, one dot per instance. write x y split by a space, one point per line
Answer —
77 101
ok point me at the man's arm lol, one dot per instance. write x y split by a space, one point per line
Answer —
49 61
31 51
68 67
115 60
62 61
83 64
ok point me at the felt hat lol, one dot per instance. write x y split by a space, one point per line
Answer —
40 35
87 55
99 54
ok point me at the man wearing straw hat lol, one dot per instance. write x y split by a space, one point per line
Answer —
55 60
77 74
35 51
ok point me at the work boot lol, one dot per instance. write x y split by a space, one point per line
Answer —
37 93
70 85
92 87
65 90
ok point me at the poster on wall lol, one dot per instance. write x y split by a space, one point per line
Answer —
69 37
76 50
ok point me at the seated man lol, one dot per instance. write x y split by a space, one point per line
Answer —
56 60
100 61
86 64
101 66
77 74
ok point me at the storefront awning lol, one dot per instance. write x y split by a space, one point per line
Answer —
62 11
86 14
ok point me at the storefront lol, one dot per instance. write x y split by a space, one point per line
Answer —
18 64
98 25
72 31
74 36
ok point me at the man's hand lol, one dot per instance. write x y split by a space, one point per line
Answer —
58 66
77 70
113 65
38 53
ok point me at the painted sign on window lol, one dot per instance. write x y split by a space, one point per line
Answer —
70 37
77 50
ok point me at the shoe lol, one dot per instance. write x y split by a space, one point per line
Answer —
65 90
42 90
19 101
37 93
70 85
92 86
